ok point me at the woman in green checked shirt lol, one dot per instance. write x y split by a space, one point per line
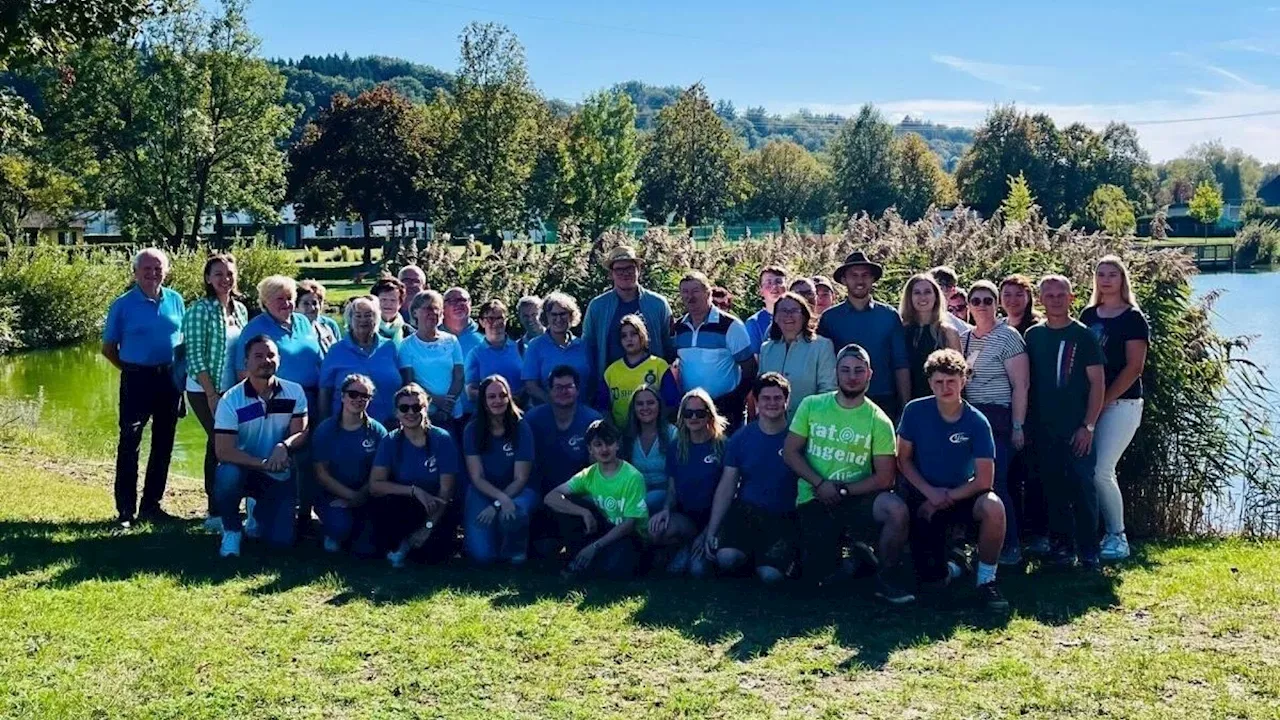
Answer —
210 328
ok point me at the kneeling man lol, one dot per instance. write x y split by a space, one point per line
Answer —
260 424
947 454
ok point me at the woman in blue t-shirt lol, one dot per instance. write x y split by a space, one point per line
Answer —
694 466
497 355
646 441
498 449
412 484
343 448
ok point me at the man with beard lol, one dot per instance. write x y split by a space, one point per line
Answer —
842 447
875 326
601 326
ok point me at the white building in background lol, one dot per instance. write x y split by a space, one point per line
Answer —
104 226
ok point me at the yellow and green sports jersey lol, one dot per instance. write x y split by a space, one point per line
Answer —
621 380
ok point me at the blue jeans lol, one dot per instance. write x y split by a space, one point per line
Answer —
275 509
345 524
1071 493
500 539
655 499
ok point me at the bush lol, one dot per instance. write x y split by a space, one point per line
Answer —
1257 243
57 297
255 259
313 254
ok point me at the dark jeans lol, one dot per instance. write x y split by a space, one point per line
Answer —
396 517
146 394
199 404
825 529
1073 498
1026 488
929 537
616 560
1001 419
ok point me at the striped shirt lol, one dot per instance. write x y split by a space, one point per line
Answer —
986 356
709 353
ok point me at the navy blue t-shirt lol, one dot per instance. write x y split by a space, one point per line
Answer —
944 451
408 464
560 454
764 480
500 458
696 477
349 453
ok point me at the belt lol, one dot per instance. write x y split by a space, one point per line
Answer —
157 369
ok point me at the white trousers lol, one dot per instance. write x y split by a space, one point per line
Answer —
1116 427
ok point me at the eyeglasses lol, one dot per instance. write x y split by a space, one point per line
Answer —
457 301
983 301
409 409
357 395
788 311
494 318
562 315
624 269
691 414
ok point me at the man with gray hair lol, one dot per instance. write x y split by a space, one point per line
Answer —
141 337
457 322
414 281
529 310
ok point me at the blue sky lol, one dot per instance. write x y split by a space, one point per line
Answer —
1087 61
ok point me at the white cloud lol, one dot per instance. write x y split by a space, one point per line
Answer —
1262 47
1014 77
1231 76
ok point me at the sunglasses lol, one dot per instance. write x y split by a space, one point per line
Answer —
409 409
983 301
357 395
695 414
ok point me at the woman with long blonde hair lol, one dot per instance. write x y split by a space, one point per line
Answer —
694 465
921 309
1117 321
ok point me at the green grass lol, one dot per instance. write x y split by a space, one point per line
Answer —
95 622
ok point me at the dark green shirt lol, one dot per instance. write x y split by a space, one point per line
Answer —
1059 383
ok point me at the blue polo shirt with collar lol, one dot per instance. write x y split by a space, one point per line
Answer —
147 330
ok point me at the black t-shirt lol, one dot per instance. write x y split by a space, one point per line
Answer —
1113 334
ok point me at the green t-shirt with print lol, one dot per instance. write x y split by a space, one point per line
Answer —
842 441
618 497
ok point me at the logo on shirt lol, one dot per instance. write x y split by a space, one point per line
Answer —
574 441
959 438
711 460
430 464
611 504
369 444
650 378
506 448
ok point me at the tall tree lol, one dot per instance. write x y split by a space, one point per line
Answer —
862 164
28 185
918 179
692 165
184 121
1206 205
784 180
603 156
369 157
497 143
1019 203
1110 211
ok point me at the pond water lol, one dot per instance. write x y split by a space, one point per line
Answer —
80 387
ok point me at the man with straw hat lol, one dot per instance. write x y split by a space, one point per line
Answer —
601 326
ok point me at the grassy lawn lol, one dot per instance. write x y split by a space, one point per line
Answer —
100 623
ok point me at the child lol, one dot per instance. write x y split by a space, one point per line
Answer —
601 508
636 367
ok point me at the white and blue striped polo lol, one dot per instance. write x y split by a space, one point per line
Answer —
260 422
709 354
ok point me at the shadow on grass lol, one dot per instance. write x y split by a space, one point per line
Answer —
750 617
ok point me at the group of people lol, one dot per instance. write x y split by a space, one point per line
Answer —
817 439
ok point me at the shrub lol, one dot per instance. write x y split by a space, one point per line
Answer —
313 254
1257 243
344 253
58 297
256 258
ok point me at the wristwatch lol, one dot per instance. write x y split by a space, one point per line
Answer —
1017 426
844 490
497 503
1089 427
429 525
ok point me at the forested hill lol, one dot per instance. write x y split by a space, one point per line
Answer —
312 80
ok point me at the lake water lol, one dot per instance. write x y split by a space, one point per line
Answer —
80 387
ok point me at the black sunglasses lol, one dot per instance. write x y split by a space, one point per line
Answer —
985 301
695 414
407 409
356 395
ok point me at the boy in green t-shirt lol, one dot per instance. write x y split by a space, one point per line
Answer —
600 509
842 447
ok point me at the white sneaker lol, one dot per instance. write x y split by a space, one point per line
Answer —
1114 547
399 555
331 545
230 544
213 525
250 522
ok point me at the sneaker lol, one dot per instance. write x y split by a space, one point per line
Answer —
125 522
250 522
1038 546
889 592
989 595
959 557
1011 555
156 514
331 545
1114 547
862 561
398 556
1063 557
954 571
213 524
1090 562
680 563
230 544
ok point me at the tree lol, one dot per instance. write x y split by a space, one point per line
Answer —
185 120
369 157
497 144
918 180
603 156
692 165
1111 211
1206 205
28 185
862 164
1019 203
784 179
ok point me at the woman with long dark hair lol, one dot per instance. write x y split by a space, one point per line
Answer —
498 450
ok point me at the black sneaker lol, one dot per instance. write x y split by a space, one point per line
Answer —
989 595
1063 557
889 592
156 515
1091 563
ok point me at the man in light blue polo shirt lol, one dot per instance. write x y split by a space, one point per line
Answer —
141 337
713 350
260 424
458 322
773 285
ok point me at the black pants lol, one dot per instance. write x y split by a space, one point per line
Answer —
396 517
146 393
929 537
1028 496
199 404
616 560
